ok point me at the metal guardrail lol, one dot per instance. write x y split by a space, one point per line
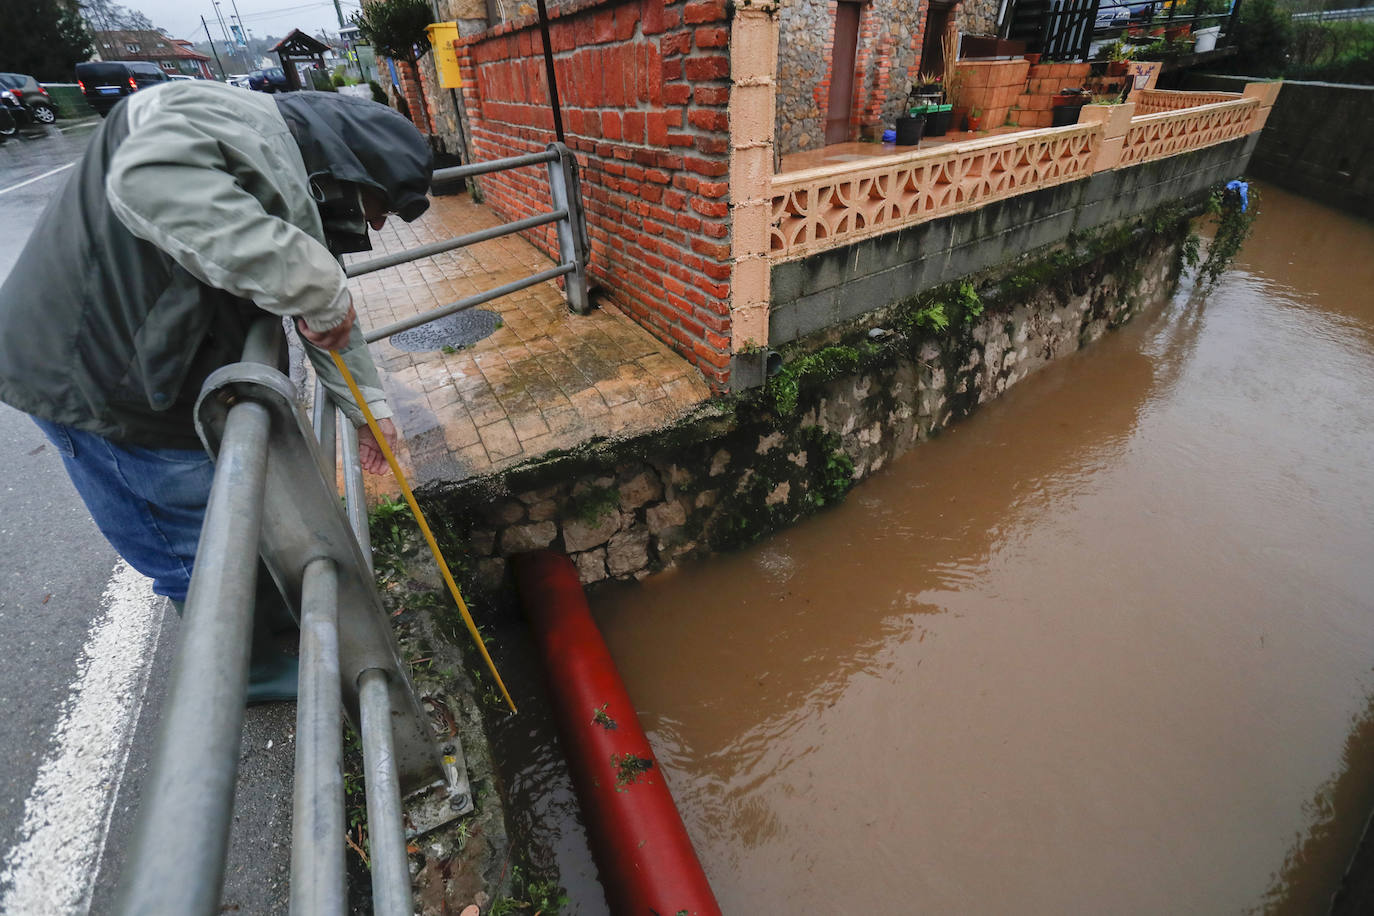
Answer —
1364 12
274 496
286 510
565 191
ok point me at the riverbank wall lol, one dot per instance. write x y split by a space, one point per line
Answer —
1317 142
848 400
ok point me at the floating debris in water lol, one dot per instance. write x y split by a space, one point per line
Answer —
603 718
629 768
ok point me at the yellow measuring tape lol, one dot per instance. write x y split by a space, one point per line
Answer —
420 517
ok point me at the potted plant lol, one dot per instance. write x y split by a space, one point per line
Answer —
975 119
911 126
1067 103
1119 55
928 89
397 29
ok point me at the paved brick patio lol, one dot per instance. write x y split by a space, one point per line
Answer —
547 379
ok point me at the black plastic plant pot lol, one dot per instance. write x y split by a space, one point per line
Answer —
937 122
909 130
1064 115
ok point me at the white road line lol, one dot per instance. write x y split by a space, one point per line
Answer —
16 187
52 869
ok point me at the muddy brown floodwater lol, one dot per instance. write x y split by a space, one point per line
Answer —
1106 646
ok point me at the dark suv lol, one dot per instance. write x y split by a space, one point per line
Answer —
270 79
34 96
105 82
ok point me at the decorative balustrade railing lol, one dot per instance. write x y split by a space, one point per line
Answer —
1153 101
834 205
1169 133
824 207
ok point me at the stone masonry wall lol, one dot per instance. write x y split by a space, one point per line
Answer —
889 53
1329 157
748 465
977 17
644 87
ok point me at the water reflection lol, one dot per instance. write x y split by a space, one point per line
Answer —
1337 812
1094 648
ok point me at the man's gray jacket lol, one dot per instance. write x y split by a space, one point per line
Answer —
191 213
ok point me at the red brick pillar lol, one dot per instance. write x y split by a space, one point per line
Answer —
413 91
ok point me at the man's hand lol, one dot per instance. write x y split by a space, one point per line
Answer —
369 452
335 338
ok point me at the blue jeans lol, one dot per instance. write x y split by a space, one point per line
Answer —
149 503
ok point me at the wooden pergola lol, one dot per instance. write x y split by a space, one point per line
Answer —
298 48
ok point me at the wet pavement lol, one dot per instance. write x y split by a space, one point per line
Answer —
545 379
32 164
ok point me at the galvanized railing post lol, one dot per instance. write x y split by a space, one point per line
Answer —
318 885
385 826
355 495
323 420
177 857
571 231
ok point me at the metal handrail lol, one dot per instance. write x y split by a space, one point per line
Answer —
286 509
468 302
462 241
565 192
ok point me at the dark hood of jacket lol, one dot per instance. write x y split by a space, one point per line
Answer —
362 142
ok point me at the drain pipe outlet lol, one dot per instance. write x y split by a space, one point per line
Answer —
644 856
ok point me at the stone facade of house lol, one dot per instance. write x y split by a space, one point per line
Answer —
891 35
977 17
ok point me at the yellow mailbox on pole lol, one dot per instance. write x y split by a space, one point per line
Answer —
442 35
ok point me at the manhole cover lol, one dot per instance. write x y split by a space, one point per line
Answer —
461 329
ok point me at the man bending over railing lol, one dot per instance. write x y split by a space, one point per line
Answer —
198 206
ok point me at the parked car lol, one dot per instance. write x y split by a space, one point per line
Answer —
105 82
179 76
1117 14
33 96
237 79
9 107
269 79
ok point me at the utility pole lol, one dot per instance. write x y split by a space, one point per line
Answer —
338 11
228 42
222 73
247 43
247 36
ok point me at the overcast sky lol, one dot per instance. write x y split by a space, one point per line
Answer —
181 18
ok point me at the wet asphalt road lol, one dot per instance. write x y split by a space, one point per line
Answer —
54 569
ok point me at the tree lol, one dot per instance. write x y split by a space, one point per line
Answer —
1263 36
106 16
396 29
44 38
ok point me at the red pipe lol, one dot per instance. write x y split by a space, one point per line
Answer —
645 858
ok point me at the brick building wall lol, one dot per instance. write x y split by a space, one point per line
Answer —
644 88
1016 92
891 35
